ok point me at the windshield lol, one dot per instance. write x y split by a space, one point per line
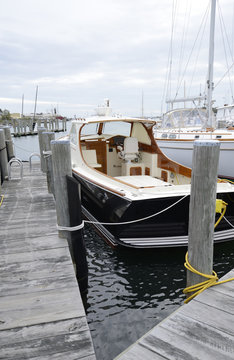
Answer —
116 127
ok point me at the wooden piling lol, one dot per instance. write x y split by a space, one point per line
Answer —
3 156
43 162
76 237
9 142
61 159
47 137
202 208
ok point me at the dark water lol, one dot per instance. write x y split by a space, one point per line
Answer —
130 291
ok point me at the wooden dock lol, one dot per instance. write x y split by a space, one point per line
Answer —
202 329
41 311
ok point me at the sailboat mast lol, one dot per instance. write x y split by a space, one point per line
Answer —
22 109
211 64
35 105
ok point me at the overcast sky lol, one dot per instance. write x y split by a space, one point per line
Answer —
79 52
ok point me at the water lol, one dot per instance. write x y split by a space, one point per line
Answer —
130 291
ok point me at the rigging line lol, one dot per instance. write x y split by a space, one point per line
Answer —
230 67
223 30
169 60
185 31
203 19
198 52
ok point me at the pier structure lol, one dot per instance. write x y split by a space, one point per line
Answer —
27 125
41 310
201 329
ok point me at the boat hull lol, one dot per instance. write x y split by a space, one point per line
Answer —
182 152
168 229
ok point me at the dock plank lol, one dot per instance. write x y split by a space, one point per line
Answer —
201 329
41 311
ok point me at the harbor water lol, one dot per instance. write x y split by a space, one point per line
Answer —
130 291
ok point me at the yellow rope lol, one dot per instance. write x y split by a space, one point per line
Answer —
212 279
2 197
225 180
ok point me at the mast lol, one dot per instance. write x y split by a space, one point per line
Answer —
35 106
142 104
22 110
211 64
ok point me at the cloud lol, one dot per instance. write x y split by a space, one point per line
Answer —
82 51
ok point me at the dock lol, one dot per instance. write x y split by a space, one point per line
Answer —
41 310
201 329
29 125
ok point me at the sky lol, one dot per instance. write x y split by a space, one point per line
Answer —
137 53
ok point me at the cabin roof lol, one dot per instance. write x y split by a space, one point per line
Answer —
95 119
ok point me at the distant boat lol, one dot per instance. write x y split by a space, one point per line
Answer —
131 192
180 127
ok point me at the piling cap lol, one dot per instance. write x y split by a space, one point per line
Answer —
64 142
206 143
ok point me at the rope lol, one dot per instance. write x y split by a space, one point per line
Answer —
47 154
71 228
3 148
2 197
212 279
78 227
138 220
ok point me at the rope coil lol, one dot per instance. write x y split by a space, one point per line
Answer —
213 279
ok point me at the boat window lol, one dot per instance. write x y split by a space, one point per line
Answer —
73 135
196 136
140 132
172 136
218 136
90 129
164 136
116 127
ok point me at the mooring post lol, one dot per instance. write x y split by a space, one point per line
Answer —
43 162
61 159
3 156
202 208
68 207
9 142
47 137
76 237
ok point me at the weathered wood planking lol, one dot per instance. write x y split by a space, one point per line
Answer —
201 329
41 311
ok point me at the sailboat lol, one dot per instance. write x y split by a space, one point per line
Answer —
181 127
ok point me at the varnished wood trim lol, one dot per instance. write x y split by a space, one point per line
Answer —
136 170
99 184
147 170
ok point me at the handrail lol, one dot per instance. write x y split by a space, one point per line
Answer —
19 162
30 159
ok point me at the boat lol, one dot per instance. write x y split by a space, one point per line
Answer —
182 126
132 193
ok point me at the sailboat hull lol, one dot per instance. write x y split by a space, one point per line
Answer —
182 152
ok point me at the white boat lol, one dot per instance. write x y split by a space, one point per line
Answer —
131 192
180 127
